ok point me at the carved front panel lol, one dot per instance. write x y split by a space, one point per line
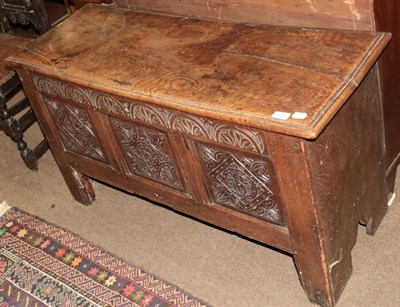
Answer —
241 183
75 128
148 153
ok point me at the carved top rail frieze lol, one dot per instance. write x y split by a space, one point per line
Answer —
195 126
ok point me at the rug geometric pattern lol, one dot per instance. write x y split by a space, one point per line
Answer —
44 265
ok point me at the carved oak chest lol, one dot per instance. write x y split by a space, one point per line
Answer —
268 131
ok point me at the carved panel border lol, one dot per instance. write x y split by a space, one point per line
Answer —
195 126
240 182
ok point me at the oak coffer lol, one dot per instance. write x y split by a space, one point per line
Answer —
269 131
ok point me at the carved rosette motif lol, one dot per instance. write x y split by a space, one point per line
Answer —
75 129
240 183
147 153
199 127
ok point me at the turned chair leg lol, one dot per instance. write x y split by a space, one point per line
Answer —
15 128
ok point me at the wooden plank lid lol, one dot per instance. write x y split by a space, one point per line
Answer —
239 73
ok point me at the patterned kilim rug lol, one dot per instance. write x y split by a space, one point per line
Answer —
44 265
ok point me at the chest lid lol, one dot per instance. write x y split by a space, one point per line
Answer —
281 79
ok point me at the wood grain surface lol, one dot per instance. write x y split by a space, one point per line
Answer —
344 14
387 19
347 175
180 63
379 15
339 182
9 45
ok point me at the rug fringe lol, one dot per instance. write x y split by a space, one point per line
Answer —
4 207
